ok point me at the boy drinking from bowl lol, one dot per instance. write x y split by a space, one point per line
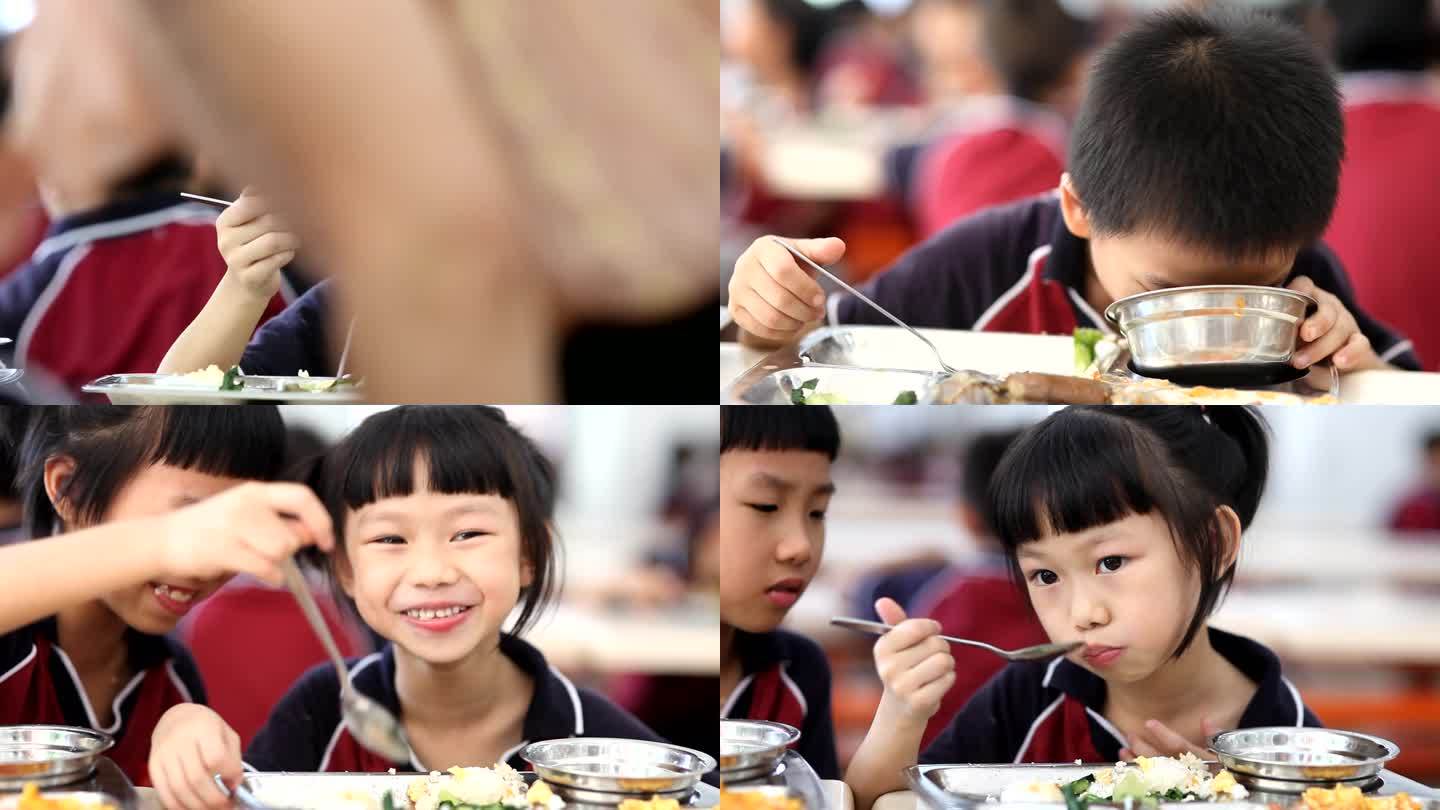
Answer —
774 489
1207 151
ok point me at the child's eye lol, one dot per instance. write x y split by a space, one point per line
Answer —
1044 576
469 535
818 514
389 540
767 508
1110 564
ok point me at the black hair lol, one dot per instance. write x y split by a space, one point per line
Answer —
982 457
1382 34
14 419
1092 465
1432 441
779 427
810 26
466 449
1220 129
1032 44
109 444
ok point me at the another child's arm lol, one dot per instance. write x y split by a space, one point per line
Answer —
192 744
242 530
917 669
256 244
772 298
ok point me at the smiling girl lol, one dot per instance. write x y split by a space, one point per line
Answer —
137 514
1124 525
444 526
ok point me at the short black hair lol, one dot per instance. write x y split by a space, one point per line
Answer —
111 443
1432 441
779 427
1032 44
466 449
1220 129
1089 466
982 457
810 26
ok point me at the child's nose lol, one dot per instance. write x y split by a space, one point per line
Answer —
795 547
433 567
1088 611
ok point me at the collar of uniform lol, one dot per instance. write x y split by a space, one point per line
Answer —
144 651
555 711
759 651
120 209
1276 701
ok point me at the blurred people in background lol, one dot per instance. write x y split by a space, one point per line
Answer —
1384 227
948 39
1419 511
978 599
1010 146
126 263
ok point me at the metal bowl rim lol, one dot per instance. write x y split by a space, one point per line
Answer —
1111 311
705 761
1391 749
106 741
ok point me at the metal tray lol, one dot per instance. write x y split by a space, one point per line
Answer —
751 748
91 798
1320 385
269 791
791 774
49 756
965 787
858 386
605 770
1303 754
167 389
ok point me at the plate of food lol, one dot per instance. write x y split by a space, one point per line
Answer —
32 798
215 386
497 788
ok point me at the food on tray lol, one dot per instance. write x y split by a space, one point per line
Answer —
758 800
652 803
498 788
1061 389
1179 779
209 377
1093 351
807 395
1350 798
31 799
1164 392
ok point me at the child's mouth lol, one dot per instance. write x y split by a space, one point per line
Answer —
1100 656
175 600
437 618
785 593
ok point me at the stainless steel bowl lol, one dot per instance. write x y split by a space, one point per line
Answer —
602 770
1302 754
752 748
48 755
1219 325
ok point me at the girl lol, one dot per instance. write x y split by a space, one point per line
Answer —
444 526
1124 525
774 489
85 612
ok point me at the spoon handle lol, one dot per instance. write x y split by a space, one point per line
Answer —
295 581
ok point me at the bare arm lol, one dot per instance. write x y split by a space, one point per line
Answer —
219 334
890 746
41 577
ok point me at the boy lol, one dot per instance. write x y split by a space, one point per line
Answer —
774 489
1220 167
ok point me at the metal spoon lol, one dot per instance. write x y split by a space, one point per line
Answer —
372 724
883 311
1039 652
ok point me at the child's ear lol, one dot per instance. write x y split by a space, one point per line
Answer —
527 573
1230 531
344 574
58 470
1072 209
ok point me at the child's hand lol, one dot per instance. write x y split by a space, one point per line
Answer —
249 529
771 297
914 663
256 244
1157 740
192 744
1331 332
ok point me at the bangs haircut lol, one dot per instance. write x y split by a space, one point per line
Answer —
810 428
465 450
109 444
1091 466
1219 129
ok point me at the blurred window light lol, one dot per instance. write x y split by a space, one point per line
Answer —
15 15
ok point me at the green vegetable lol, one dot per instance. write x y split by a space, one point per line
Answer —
905 398
234 380
1085 340
1130 786
388 803
810 385
1071 803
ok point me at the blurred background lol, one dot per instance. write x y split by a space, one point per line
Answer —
1339 574
884 121
636 617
